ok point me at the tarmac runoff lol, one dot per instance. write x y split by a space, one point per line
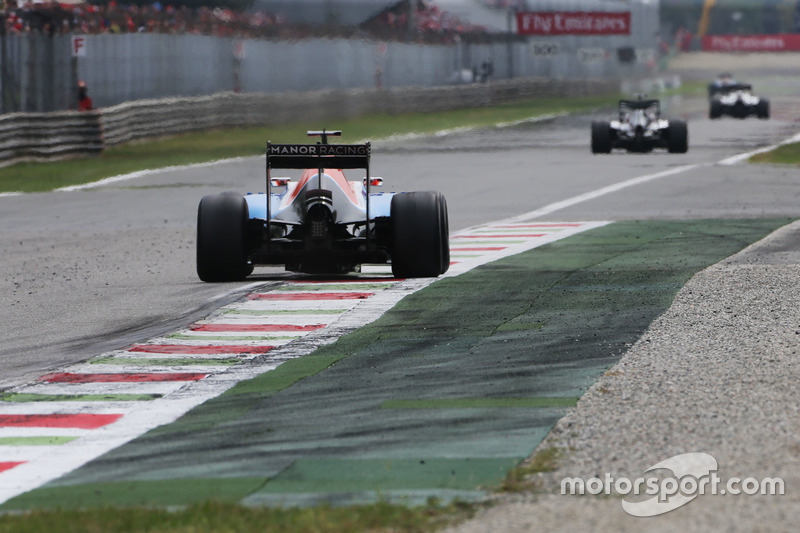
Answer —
438 398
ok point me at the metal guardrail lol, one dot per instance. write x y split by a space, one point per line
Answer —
49 136
44 136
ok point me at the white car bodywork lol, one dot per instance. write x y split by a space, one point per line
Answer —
735 100
639 127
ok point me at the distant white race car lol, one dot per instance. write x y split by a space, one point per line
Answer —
640 128
734 99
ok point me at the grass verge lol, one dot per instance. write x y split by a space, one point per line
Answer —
207 146
788 154
522 477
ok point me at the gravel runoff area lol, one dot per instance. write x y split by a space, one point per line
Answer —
718 374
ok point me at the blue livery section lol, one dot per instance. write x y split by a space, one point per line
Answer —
257 204
379 204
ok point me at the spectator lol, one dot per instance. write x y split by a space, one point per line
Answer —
84 102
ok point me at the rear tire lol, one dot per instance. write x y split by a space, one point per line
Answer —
221 241
715 109
601 137
678 142
762 108
420 239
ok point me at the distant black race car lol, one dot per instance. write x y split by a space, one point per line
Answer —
733 99
640 128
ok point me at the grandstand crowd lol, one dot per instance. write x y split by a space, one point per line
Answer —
51 17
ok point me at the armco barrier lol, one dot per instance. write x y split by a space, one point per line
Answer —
42 136
33 136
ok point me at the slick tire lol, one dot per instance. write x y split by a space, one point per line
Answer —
762 109
420 239
601 137
678 141
715 109
221 241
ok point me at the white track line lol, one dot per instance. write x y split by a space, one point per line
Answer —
591 195
466 129
150 172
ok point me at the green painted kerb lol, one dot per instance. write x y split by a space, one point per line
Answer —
478 403
358 475
28 397
164 492
443 392
244 396
35 441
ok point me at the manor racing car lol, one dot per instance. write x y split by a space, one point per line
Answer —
639 128
322 223
735 100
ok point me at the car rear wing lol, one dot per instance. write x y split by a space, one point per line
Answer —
639 104
735 87
318 156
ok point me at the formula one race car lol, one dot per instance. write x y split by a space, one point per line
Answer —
727 97
322 223
640 128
